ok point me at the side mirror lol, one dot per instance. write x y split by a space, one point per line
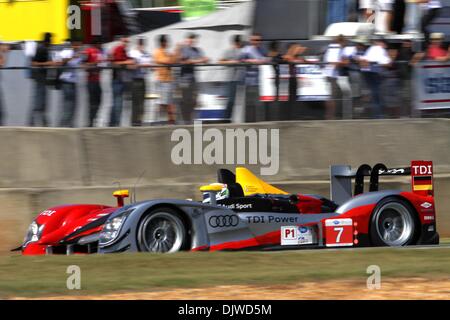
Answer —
121 195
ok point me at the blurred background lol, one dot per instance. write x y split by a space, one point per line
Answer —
377 70
98 63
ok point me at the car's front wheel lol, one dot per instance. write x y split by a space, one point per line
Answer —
162 231
393 223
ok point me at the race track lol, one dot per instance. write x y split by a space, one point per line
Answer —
406 273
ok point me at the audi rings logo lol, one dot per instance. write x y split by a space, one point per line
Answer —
223 221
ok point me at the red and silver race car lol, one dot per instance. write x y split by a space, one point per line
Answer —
244 212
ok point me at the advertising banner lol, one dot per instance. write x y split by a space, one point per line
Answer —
197 8
312 84
432 83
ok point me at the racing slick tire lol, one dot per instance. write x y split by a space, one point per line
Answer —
162 231
394 223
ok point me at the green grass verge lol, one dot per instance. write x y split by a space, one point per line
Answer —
46 275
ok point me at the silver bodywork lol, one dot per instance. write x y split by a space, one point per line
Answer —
209 225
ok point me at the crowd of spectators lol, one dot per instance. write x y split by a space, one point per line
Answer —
398 16
350 65
381 68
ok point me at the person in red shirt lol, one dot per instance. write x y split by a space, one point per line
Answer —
436 50
93 58
121 77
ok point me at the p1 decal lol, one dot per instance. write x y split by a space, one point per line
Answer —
338 232
294 236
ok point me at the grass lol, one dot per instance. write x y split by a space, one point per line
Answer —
46 275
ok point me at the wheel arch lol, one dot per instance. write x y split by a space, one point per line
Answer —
414 210
185 217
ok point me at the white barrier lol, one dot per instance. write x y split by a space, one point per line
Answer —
312 84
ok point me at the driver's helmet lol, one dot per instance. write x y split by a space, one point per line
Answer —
222 194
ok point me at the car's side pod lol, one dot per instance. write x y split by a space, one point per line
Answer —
341 179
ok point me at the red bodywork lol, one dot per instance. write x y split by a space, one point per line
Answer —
60 222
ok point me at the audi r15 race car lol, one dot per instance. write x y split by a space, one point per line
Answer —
244 212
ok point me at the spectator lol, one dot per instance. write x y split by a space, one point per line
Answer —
276 58
164 76
337 11
379 11
336 59
406 56
413 16
372 63
367 10
190 56
121 79
233 56
385 16
71 58
431 10
398 16
436 50
142 61
94 57
392 83
41 60
253 54
294 56
3 52
353 54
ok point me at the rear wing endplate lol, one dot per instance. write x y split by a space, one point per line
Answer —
341 177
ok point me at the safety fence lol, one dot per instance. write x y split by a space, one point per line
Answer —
227 92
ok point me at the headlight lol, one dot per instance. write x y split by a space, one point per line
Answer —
33 234
112 227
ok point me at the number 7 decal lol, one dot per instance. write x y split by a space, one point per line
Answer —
338 232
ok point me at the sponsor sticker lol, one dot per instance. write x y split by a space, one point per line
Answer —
422 177
223 221
339 232
240 206
426 205
294 235
47 213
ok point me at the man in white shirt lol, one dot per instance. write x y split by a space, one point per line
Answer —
337 59
254 53
138 86
372 63
70 58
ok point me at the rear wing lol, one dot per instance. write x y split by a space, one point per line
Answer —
341 177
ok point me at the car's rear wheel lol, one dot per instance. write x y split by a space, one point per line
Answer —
162 231
393 223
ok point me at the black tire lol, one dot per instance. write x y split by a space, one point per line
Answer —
394 223
163 230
